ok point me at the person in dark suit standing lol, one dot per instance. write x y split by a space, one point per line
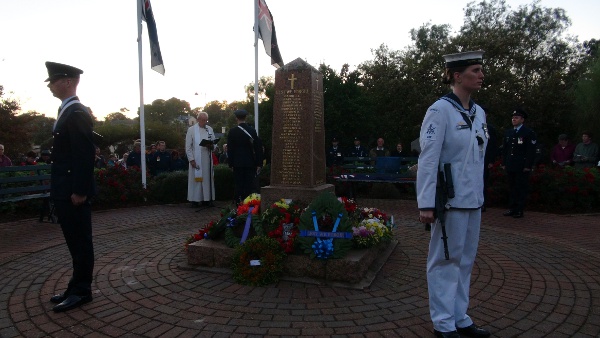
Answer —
245 153
518 157
72 184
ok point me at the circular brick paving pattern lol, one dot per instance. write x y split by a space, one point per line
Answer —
524 285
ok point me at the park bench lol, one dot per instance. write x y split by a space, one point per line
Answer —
386 170
21 183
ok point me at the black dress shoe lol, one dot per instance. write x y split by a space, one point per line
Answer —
72 302
508 213
58 298
473 331
518 214
451 334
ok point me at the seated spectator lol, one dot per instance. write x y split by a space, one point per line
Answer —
177 163
334 154
112 160
357 150
45 157
398 152
378 151
30 158
562 153
99 161
4 160
586 152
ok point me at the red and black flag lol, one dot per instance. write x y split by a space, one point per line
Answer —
156 57
266 32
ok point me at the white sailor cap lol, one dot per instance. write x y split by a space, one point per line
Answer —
464 59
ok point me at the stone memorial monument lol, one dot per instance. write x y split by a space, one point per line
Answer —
298 140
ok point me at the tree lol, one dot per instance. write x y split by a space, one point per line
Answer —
587 94
527 62
118 116
167 111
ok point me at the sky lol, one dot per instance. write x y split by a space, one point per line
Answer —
208 46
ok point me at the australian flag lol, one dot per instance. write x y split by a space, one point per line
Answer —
156 60
266 31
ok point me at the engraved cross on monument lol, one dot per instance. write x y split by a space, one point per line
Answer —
298 154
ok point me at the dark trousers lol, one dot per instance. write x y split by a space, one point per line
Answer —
76 225
518 183
244 178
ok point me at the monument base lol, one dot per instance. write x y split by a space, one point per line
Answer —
356 270
271 194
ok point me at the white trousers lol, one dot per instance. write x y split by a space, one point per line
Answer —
448 281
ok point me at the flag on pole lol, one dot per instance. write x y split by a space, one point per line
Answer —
266 32
155 56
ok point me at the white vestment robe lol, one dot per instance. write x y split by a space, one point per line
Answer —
205 190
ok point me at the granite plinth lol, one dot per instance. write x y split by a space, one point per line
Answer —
357 268
271 194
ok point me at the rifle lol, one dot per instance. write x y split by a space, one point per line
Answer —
443 191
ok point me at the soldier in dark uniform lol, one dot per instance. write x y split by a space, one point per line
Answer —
245 153
72 183
334 154
518 157
357 150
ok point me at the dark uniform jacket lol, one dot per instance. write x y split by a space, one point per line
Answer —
334 157
519 149
134 159
360 152
73 154
160 162
242 150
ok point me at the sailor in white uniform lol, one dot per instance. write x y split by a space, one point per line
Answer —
454 131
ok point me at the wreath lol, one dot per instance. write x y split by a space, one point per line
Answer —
258 262
235 228
327 209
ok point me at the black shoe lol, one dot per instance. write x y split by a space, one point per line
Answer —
58 298
72 302
195 204
427 226
451 334
518 214
508 213
473 331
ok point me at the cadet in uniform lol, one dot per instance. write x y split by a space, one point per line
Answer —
73 184
357 150
518 156
334 154
454 131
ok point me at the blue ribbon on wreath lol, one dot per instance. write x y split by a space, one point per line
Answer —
323 248
247 226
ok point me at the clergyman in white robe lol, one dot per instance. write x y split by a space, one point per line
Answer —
201 185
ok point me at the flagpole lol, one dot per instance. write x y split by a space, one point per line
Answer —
141 72
256 65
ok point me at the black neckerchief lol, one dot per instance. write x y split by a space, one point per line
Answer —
454 100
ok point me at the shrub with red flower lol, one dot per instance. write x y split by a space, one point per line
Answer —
118 186
557 190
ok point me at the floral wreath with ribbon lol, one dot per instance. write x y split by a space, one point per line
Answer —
325 214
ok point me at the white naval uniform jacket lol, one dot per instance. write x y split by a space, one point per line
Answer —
446 138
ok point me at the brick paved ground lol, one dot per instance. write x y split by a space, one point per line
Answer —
534 277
